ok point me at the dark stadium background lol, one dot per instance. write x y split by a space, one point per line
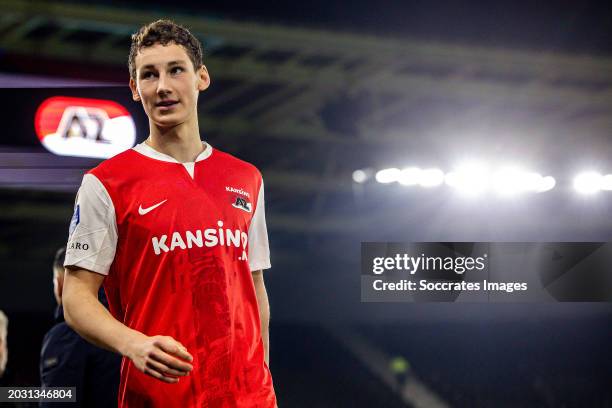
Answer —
420 82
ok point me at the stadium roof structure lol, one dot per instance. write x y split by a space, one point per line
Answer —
310 106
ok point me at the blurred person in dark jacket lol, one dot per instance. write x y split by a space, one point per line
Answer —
67 360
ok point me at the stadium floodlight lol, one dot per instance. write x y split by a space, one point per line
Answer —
469 178
360 176
530 181
410 176
508 181
545 184
387 176
606 182
588 182
431 177
512 180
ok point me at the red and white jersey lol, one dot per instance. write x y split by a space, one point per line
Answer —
178 242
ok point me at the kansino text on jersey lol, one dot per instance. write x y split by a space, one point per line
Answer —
425 285
210 237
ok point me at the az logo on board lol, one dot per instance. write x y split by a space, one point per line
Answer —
84 127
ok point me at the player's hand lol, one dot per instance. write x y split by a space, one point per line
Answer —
161 357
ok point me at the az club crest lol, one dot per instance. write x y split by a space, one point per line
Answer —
242 204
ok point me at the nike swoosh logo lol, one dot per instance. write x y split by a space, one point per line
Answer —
143 211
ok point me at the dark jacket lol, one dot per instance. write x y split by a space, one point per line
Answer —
67 360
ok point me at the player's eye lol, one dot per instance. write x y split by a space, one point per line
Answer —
177 70
147 75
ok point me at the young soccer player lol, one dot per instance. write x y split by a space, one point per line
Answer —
175 231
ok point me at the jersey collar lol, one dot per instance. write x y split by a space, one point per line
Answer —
148 151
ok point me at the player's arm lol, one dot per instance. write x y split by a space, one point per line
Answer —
90 253
264 310
154 355
259 259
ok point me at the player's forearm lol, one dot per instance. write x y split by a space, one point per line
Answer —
88 317
265 337
264 311
160 357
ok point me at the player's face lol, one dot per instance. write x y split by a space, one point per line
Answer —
167 84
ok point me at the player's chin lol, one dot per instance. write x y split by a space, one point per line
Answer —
167 121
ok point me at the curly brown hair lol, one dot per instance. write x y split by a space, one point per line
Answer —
164 32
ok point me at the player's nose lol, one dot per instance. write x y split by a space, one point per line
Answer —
163 87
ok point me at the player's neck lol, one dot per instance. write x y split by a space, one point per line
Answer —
182 142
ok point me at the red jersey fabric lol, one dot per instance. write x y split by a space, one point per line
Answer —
181 269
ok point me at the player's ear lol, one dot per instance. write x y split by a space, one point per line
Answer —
134 88
203 78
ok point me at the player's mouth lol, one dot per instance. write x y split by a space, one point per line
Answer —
166 104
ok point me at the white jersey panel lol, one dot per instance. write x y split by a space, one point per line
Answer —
92 240
259 251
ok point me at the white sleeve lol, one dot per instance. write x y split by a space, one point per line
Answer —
93 230
259 251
